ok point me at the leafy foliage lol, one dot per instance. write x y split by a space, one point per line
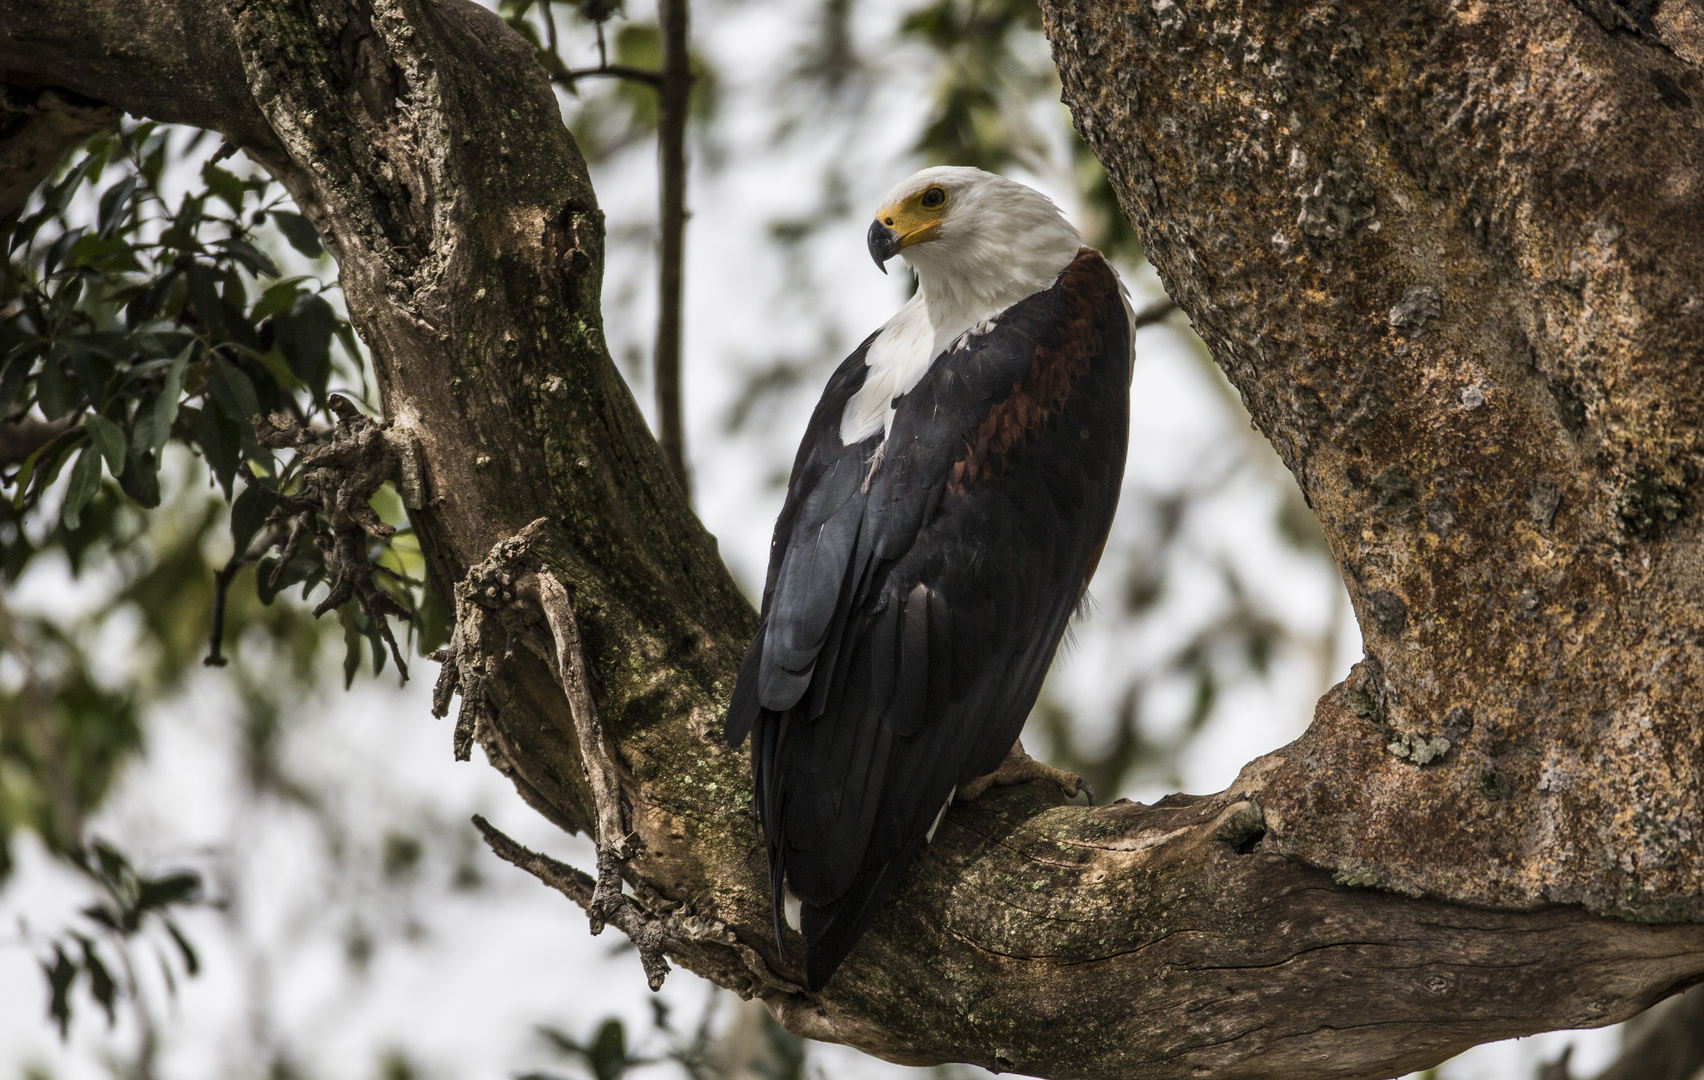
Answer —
130 905
752 1044
159 324
141 335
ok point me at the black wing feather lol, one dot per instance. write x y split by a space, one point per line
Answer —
914 601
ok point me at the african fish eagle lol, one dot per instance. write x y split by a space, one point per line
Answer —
946 510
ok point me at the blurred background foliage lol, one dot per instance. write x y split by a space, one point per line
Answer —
158 293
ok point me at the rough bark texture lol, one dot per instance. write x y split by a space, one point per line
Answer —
1452 255
1428 245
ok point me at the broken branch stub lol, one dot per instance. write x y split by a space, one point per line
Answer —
516 587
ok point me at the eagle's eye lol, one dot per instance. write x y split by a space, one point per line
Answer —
934 197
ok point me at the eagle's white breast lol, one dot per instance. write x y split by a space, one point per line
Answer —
897 358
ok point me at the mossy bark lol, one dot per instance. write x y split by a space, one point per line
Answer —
1520 554
1452 255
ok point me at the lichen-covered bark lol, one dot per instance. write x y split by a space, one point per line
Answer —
1511 509
1452 255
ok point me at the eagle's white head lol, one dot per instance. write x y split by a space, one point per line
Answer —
979 242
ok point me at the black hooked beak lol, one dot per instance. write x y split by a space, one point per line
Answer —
884 244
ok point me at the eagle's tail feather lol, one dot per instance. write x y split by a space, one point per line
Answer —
832 930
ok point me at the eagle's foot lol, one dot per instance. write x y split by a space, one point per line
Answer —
1020 768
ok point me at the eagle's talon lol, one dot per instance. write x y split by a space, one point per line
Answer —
1020 768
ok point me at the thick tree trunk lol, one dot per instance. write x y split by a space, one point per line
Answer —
1452 255
1428 246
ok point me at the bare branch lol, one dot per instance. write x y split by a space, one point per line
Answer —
570 665
673 103
22 435
647 934
570 76
1153 313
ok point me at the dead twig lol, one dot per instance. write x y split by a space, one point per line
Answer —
613 847
513 591
514 587
647 933
569 76
674 94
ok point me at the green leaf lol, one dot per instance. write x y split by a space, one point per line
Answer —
250 256
56 251
18 369
59 196
64 303
221 443
141 478
434 630
299 569
304 337
300 232
191 962
346 335
109 438
277 299
608 1052
154 422
232 389
51 393
248 513
153 157
111 253
168 889
85 481
39 471
204 300
148 303
115 205
114 867
225 185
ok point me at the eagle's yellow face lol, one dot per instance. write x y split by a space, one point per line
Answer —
917 217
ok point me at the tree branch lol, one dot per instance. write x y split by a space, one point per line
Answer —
37 129
22 435
673 102
1153 314
1199 936
569 76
